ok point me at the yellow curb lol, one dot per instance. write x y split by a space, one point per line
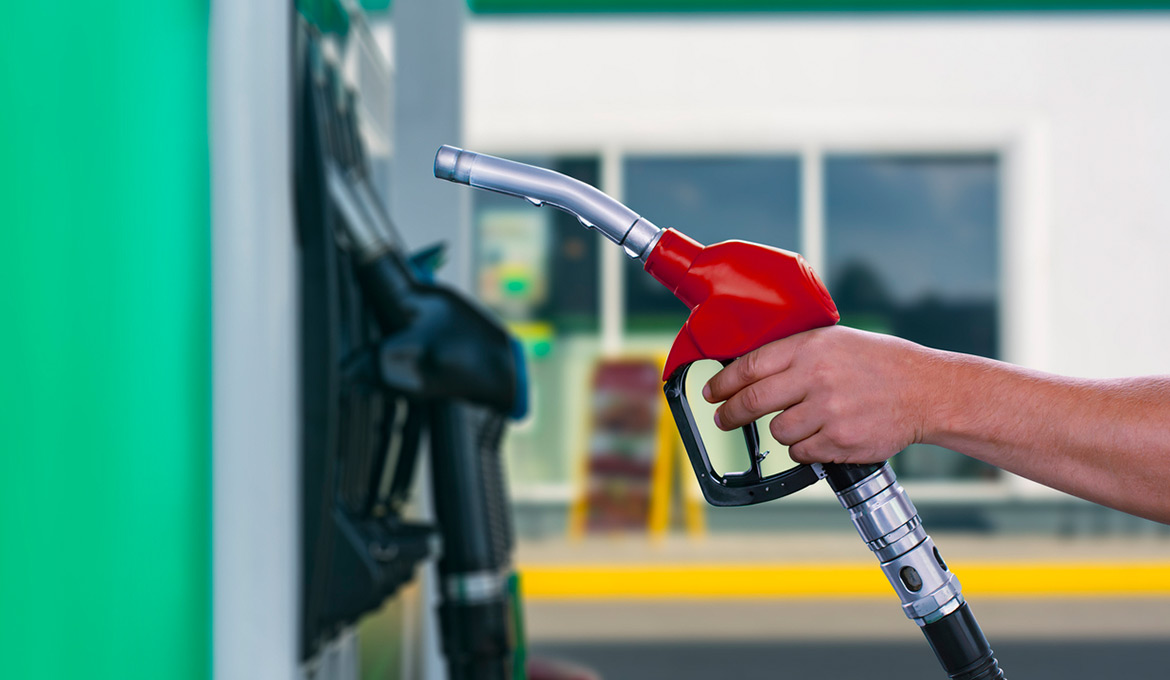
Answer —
845 580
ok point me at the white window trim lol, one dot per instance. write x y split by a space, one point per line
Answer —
613 270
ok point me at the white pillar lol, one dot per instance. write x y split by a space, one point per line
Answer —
256 449
428 112
613 266
812 208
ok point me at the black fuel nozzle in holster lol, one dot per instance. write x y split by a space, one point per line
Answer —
462 375
438 344
444 351
359 441
388 357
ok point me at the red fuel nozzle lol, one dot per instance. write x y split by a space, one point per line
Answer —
741 295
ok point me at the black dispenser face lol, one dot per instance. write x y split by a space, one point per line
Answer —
359 441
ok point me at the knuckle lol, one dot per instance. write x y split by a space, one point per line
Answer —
750 366
751 399
844 437
819 342
813 340
821 372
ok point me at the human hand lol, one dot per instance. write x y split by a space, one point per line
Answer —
846 396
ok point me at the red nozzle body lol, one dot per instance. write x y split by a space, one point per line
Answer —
741 296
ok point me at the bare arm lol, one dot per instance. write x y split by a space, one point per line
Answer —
857 397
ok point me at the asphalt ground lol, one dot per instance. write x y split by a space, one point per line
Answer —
860 660
1071 639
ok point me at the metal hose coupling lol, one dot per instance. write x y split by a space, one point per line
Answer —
889 524
541 186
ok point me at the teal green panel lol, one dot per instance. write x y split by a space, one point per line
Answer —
330 16
105 497
327 15
555 6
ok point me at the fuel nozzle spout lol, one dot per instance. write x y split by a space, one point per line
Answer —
541 186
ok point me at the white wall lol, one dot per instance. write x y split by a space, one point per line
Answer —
1079 106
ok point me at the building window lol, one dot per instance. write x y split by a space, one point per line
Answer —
710 199
912 249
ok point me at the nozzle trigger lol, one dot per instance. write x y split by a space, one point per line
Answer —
734 488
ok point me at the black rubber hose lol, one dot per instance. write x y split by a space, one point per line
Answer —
961 647
841 476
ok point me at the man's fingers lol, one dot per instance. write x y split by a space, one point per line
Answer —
814 449
796 423
820 447
768 360
773 393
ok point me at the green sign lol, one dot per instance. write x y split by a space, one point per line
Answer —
105 425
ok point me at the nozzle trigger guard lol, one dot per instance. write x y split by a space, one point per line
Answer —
734 488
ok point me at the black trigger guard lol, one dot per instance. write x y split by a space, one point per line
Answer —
737 488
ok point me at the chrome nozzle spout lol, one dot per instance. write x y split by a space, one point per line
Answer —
447 164
541 186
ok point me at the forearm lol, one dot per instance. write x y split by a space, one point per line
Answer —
1107 441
